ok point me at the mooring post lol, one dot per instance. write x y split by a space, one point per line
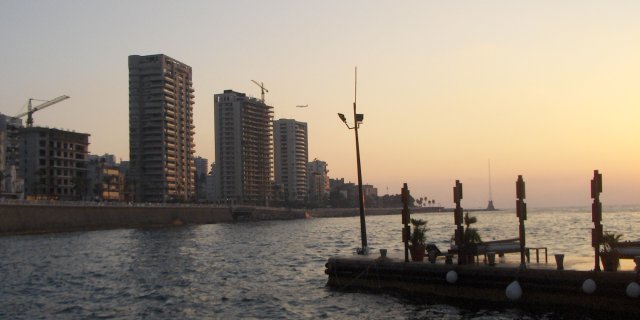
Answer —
521 212
457 214
596 216
406 231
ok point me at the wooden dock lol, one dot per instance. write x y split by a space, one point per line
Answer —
543 286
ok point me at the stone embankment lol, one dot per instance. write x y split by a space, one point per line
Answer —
42 217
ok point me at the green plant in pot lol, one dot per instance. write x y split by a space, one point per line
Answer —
471 238
609 257
418 238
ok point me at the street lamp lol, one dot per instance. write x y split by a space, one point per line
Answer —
358 118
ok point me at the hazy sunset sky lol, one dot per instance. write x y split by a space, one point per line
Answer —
546 89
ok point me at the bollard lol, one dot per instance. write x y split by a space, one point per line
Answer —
491 256
560 261
383 253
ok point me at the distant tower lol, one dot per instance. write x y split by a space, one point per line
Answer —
161 129
490 206
318 181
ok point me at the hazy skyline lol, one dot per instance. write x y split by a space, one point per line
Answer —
544 89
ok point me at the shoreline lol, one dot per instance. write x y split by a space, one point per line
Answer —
17 218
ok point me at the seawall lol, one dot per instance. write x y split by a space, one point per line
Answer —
34 217
43 218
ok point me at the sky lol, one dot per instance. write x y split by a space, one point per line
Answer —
543 89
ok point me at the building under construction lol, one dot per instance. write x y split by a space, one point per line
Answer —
244 149
53 163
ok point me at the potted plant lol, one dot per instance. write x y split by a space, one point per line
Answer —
471 238
418 239
608 255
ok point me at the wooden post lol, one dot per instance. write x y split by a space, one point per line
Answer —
596 216
457 214
521 212
406 231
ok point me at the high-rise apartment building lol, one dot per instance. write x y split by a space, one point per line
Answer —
318 181
244 149
53 163
291 156
161 129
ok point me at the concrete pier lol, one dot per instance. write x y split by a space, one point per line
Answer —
540 287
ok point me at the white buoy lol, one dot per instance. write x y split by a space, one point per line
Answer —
633 290
514 291
452 276
589 286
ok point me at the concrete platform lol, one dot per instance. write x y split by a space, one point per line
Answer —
541 284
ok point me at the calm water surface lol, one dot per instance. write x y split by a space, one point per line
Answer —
256 269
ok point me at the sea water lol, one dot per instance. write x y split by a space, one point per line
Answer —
268 269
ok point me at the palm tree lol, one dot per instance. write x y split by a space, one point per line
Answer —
471 235
468 220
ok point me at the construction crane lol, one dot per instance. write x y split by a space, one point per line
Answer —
31 109
262 88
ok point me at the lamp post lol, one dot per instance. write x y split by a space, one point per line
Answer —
357 119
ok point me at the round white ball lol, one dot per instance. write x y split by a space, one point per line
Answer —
589 286
514 291
452 276
633 290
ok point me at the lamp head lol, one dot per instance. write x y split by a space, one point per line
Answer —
342 117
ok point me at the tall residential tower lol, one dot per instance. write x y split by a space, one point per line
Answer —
291 156
244 149
161 129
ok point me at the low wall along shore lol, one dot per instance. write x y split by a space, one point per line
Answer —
38 218
20 219
26 218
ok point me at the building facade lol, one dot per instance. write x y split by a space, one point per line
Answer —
11 182
211 184
291 154
318 182
106 179
53 163
202 169
161 129
244 149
